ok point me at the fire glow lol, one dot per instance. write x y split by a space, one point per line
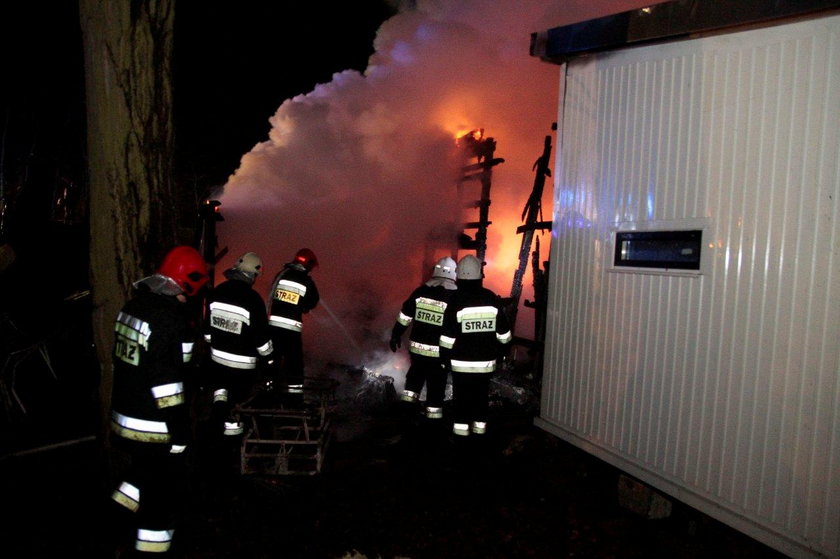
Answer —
364 167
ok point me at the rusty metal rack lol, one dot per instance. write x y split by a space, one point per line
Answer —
282 441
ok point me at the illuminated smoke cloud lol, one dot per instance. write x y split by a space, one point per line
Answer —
363 167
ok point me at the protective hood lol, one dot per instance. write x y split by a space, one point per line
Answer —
240 275
445 282
159 284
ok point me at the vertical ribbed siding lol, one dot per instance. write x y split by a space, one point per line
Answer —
725 385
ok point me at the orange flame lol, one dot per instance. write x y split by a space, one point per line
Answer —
475 134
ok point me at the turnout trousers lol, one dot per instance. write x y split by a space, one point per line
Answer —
470 402
287 375
428 371
149 493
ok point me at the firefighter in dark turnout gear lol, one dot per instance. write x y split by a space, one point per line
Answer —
236 330
475 333
423 312
293 293
150 417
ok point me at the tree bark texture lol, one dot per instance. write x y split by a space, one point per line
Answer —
128 46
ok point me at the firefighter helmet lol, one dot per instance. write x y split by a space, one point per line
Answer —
307 258
249 263
444 268
469 268
185 266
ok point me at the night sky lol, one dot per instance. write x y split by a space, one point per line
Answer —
43 98
233 66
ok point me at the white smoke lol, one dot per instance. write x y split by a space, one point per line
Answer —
362 168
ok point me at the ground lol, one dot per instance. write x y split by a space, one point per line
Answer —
385 490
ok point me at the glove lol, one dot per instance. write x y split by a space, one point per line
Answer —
395 343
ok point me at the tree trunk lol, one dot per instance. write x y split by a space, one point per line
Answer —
128 46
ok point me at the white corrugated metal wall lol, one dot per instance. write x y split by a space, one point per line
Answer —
721 388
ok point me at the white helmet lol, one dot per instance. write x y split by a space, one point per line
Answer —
444 268
249 263
469 268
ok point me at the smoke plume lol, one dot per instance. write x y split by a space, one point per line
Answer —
362 168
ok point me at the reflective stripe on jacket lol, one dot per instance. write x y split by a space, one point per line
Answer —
424 310
237 326
475 328
293 293
152 343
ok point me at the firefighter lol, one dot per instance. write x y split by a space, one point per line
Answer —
236 331
293 293
150 417
423 312
475 335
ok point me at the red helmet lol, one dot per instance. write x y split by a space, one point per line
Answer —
306 257
185 266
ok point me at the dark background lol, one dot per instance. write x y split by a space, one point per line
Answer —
234 64
381 494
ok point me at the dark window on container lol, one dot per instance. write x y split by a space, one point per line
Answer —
658 249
